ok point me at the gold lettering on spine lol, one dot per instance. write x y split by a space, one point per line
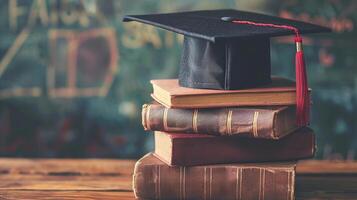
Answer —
143 116
255 124
229 122
164 119
148 117
194 120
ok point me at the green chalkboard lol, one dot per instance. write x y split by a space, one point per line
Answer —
73 77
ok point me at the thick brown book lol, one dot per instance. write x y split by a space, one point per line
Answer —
153 179
168 92
199 149
260 122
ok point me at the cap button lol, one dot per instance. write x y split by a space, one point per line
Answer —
227 19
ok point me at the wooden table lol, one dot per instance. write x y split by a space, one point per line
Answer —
111 179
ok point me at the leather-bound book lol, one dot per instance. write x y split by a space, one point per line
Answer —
168 92
260 122
201 149
153 179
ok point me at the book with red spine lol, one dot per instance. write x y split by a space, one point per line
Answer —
200 149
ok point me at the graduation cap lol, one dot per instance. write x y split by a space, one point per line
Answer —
230 49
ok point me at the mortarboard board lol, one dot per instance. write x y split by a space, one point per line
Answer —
230 49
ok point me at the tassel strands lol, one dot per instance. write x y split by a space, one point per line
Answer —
302 93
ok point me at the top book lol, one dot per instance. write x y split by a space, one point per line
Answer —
168 92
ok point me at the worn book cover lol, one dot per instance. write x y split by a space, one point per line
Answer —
258 122
153 179
281 91
198 149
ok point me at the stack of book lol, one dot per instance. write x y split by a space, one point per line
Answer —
222 144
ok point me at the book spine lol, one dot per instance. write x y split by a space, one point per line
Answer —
249 122
157 181
193 149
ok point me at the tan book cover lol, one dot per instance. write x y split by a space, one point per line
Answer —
168 92
153 179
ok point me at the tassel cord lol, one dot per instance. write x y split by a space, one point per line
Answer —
302 94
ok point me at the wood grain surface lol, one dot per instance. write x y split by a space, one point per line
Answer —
111 179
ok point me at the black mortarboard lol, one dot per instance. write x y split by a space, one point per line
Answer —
229 49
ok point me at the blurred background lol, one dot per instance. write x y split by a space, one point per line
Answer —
73 77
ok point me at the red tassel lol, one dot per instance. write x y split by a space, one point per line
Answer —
302 93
